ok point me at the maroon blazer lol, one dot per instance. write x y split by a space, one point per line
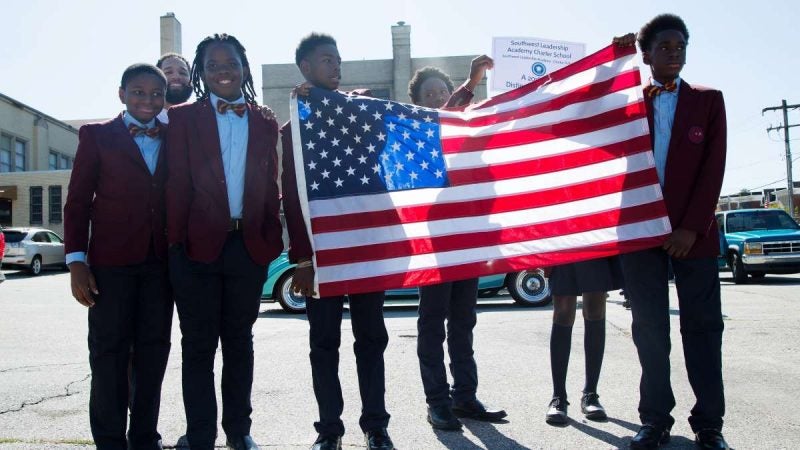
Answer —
112 189
695 164
198 215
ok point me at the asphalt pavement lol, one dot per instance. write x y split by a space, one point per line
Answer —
44 375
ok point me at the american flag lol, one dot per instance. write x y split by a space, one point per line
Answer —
557 171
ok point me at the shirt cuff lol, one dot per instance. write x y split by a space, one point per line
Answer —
76 257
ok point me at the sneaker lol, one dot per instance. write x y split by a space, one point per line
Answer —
557 411
591 407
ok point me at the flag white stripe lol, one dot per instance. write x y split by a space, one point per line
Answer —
561 146
489 222
575 111
552 90
491 189
358 270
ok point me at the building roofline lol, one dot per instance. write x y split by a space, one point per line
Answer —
35 111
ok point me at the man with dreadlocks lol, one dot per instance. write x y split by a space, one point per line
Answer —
223 229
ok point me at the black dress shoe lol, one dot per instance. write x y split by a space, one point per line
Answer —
650 437
710 439
327 443
474 409
378 440
245 442
557 411
591 407
441 417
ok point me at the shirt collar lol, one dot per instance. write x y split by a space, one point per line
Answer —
214 99
677 84
129 119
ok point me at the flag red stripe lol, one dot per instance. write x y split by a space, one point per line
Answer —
469 208
570 225
557 130
549 164
585 93
430 276
600 57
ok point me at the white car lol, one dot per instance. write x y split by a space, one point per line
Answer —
33 249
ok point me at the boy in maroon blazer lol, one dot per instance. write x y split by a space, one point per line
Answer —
117 189
687 124
223 229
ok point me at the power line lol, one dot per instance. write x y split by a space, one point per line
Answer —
786 126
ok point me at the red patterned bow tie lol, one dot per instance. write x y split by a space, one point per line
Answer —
136 130
238 108
654 90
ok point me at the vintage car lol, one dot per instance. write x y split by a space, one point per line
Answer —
756 242
528 288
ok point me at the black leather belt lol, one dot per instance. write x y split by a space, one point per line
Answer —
235 225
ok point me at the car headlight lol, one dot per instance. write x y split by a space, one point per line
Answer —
753 248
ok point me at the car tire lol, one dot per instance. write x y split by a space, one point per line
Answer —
737 269
529 287
758 275
36 266
291 303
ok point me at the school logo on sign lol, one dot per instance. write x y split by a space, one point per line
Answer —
538 69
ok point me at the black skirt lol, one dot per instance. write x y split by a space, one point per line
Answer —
596 275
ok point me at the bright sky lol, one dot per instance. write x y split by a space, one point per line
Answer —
66 58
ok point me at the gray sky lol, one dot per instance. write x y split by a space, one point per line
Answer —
66 58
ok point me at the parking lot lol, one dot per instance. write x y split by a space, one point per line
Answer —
44 374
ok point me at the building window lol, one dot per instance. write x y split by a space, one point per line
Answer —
5 153
13 154
36 205
58 161
55 203
19 156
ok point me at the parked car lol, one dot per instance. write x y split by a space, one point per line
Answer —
527 288
756 242
33 249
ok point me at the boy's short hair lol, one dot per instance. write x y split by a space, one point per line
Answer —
309 43
660 23
423 74
177 56
138 69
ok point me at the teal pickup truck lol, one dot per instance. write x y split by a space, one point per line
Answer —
756 242
527 288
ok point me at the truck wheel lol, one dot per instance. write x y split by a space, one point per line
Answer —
529 287
289 301
737 268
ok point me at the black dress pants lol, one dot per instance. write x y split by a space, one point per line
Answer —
371 338
133 309
697 283
217 302
454 301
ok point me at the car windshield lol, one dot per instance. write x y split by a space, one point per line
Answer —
760 220
14 236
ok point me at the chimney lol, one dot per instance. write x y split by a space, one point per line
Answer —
401 51
170 34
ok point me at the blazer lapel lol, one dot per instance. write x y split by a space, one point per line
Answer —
648 104
209 137
162 151
122 140
253 159
686 101
208 134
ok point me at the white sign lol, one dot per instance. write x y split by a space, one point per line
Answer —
520 60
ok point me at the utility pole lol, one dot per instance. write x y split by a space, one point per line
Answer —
785 128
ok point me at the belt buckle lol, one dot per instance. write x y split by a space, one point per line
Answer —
236 225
